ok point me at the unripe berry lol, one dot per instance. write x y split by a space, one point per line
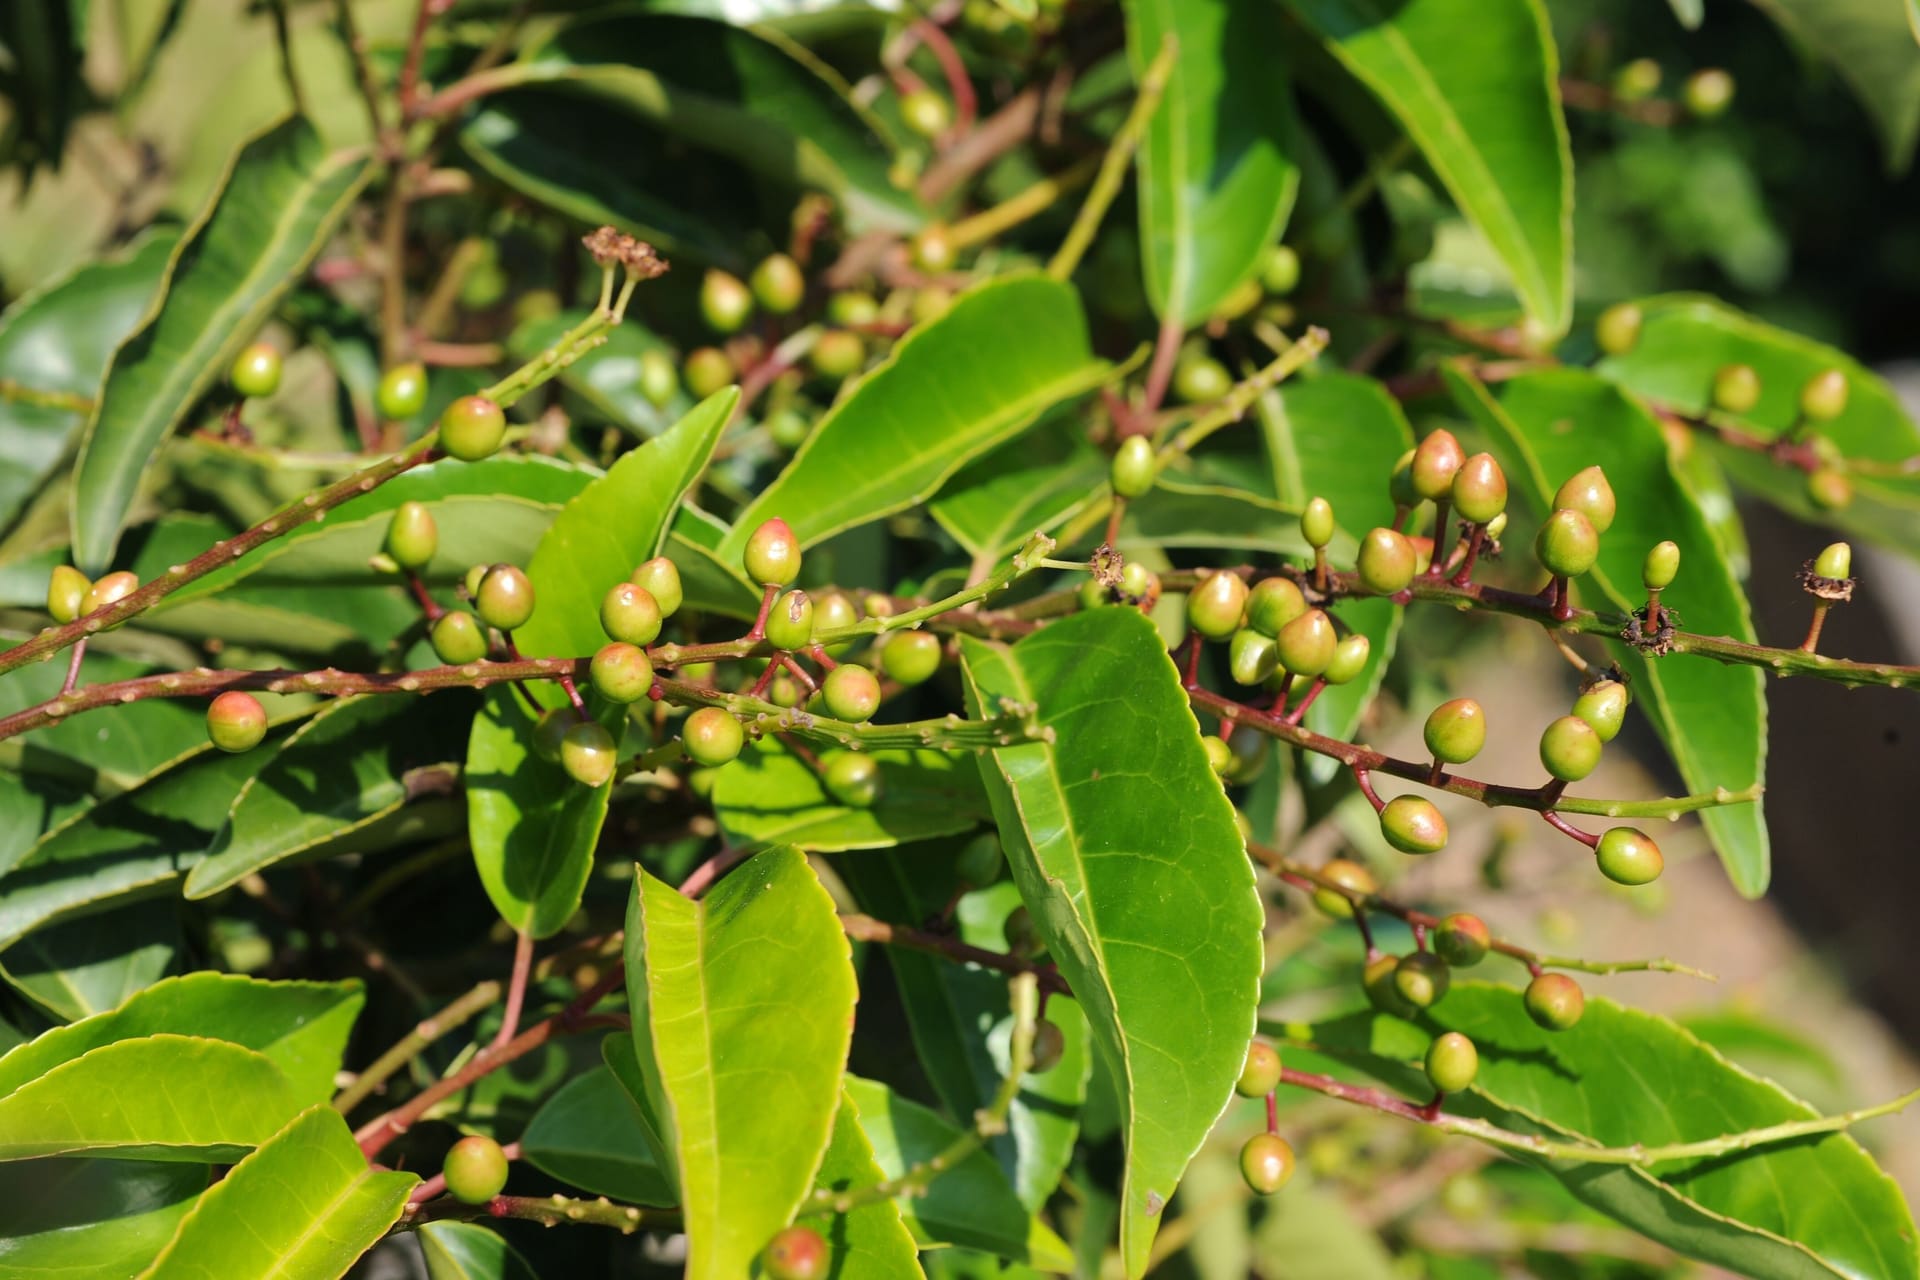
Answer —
1306 645
236 721
926 113
471 428
458 638
1386 561
1200 379
1280 270
1456 731
784 691
256 371
1350 874
1435 461
1452 1062
1588 492
850 308
779 284
1022 938
853 779
1349 659
1497 526
658 380
476 1170
67 589
1251 656
1260 1075
1708 93
1133 467
412 535
707 371
1139 583
1462 940
1637 80
1422 979
476 574
1266 1162
1413 825
622 672
1570 748
850 693
1604 706
1834 561
1555 1001
549 729
1272 604
910 657
1316 523
1830 489
831 612
1567 544
1049 1044
724 301
1214 608
788 428
712 736
837 354
1629 856
1617 331
1824 397
1377 979
930 303
402 391
1662 566
1736 388
933 250
1219 754
587 753
797 1253
790 621
108 589
773 554
505 598
981 862
630 614
1479 489
660 579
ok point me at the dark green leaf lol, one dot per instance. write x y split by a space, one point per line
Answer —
66 1219
1026 486
770 796
1875 46
468 1251
92 964
589 1134
869 1243
1184 513
114 747
608 377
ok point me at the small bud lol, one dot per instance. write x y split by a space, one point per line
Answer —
505 598
1214 608
790 621
1588 492
725 303
1306 645
1834 561
1435 462
108 589
1452 1062
1555 1001
1736 388
1413 825
779 284
1628 856
412 535
1567 544
853 778
773 554
1349 659
660 579
630 614
1251 656
1708 93
1316 523
587 753
1350 875
1462 940
1604 706
1479 489
1662 566
236 721
1830 489
1386 561
1133 467
1570 748
1617 331
67 589
1497 526
1456 731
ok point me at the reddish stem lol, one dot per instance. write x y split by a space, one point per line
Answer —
1300 709
767 597
1366 788
73 669
428 605
516 989
1560 824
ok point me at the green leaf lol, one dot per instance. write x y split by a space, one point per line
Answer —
68 1219
742 1016
1875 46
870 1242
1712 716
608 377
930 406
197 1100
275 208
1319 1230
1185 513
109 749
59 339
300 1027
589 1134
33 806
770 796
304 1206
468 1251
92 964
1475 85
1026 486
1125 851
1216 178
348 769
972 1204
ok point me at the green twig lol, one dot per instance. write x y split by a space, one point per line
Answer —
1113 169
483 996
23 394
553 1211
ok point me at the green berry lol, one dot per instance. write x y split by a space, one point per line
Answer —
476 574
1567 544
1273 603
1022 938
833 612
108 589
851 693
1413 825
549 729
1662 566
725 303
790 621
1708 93
1629 856
476 1170
660 579
1555 1001
1201 378
471 428
1617 331
712 736
853 779
1479 489
1824 397
1462 940
1435 463
1348 874
1251 656
256 371
788 428
236 721
412 535
1736 388
910 657
1456 731
1386 561
1260 1075
1377 979
1219 754
1214 608
838 354
1570 748
1137 582
930 303
1588 492
1349 659
707 371
1306 645
797 1253
587 753
67 589
933 251
1829 489
1049 1045
1834 561
659 381
980 862
783 691
505 598
458 638
1316 523
622 672
1280 270
1422 979
773 554
850 308
1452 1062
1266 1162
1636 81
402 391
630 614
1133 467
1604 706
779 284
926 113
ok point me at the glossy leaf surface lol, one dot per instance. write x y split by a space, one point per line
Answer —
587 1134
69 1218
469 1251
770 796
871 1242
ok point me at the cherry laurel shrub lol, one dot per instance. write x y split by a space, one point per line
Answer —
759 643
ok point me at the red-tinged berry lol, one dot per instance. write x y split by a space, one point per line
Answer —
1588 492
1452 1062
1479 489
1049 1046
1629 856
837 354
471 428
1456 731
1736 388
505 598
797 1253
1386 561
1251 656
773 554
712 736
1555 1001
1280 270
67 589
1266 1162
1661 567
779 284
1462 940
1133 466
236 721
1830 489
725 302
707 371
1708 93
1215 607
630 614
659 380
1316 523
402 391
412 535
1567 545
1307 644
1435 462
458 638
850 693
910 657
1349 875
1199 379
1272 604
587 753
790 621
1570 748
660 579
1349 659
1260 1074
1834 561
1617 331
1422 979
926 113
1824 396
256 371
621 672
475 1170
108 589
1413 825
1604 706
853 778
